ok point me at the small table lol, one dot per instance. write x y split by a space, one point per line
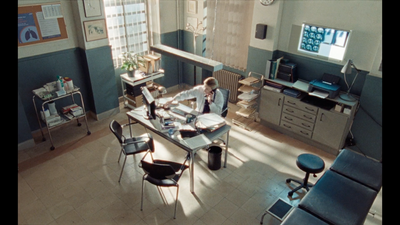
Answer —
46 97
155 126
136 80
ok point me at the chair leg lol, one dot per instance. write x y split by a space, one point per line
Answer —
122 170
120 153
176 201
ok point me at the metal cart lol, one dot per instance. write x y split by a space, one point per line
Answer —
50 96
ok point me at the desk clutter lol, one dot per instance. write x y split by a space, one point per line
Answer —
56 88
179 117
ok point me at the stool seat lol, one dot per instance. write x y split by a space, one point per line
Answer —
309 163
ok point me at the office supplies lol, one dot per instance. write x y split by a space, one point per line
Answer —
291 92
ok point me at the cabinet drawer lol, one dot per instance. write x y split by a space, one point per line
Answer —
299 113
299 122
296 129
301 105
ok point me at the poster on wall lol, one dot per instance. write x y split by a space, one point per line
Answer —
48 27
27 30
40 23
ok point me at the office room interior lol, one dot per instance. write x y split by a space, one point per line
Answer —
255 175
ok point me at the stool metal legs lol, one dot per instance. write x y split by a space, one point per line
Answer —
303 184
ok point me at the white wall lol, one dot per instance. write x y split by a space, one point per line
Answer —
364 18
285 17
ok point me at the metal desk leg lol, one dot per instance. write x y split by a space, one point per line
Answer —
191 167
226 148
130 129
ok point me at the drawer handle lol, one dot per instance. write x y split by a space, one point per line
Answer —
312 110
306 125
307 117
287 126
303 132
291 111
279 102
292 103
288 118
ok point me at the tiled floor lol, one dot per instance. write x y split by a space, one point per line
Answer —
77 183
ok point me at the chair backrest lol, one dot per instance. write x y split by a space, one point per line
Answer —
116 129
158 171
225 93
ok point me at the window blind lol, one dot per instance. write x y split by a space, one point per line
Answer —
229 44
127 27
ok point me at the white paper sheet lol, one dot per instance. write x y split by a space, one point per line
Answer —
319 94
197 141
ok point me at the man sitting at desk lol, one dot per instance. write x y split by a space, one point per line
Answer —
208 98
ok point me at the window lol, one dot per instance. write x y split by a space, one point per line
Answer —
229 40
127 27
323 41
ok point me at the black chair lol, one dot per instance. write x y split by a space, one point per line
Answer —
133 145
162 174
225 93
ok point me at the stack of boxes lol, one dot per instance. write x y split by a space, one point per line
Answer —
152 63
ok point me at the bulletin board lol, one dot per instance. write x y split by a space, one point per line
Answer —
40 23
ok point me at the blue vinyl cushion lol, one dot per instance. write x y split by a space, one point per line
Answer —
338 200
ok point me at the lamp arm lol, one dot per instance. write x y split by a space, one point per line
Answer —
352 83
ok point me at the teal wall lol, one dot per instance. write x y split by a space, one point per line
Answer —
100 71
91 70
35 71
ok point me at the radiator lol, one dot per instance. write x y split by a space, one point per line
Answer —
229 80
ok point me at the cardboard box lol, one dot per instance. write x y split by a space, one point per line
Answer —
147 63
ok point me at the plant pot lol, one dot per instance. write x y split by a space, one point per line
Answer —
131 73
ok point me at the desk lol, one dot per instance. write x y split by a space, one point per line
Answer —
136 80
155 126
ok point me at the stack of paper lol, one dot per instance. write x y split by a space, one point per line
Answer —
210 121
247 96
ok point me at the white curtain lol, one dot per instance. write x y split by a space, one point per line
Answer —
229 41
127 27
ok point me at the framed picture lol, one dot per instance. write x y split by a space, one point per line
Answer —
95 29
92 8
192 7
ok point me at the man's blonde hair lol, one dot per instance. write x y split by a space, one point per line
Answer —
211 82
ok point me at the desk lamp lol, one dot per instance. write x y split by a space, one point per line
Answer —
347 70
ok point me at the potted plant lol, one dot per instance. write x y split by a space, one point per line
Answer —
131 62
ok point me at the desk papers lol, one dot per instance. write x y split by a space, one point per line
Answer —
319 94
184 108
197 141
210 121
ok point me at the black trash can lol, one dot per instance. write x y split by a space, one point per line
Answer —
214 157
